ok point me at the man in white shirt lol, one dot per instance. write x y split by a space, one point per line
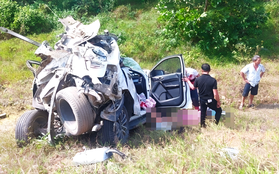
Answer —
254 72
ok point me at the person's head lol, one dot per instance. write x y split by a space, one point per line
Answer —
256 59
205 67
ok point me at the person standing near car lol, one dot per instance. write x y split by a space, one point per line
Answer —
254 72
208 93
192 74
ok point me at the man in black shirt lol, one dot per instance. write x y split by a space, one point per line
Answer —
208 93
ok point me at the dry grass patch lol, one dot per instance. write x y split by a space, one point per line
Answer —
231 84
191 150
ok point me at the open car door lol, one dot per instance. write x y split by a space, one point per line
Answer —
167 87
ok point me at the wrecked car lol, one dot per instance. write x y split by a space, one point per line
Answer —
83 85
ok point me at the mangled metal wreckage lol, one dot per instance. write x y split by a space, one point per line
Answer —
80 86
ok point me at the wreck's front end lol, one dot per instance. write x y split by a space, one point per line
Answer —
80 87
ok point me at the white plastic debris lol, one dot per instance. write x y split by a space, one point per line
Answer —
95 156
231 152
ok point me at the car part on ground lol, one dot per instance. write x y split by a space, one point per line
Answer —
95 155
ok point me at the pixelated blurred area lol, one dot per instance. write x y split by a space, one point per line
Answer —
171 118
227 117
174 118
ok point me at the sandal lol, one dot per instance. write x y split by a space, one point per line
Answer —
251 105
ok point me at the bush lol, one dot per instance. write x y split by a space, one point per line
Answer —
29 20
28 16
8 10
81 7
219 27
24 20
92 7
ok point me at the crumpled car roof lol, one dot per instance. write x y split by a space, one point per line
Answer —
76 32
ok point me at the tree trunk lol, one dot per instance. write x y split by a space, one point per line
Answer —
205 7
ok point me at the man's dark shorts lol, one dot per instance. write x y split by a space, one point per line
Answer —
248 87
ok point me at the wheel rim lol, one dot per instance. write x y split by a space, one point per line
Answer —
67 114
40 126
121 125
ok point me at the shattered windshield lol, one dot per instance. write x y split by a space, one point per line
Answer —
130 62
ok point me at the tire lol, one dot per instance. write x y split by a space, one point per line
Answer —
74 111
30 125
111 135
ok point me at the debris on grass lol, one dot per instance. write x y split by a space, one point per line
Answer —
95 155
231 152
3 115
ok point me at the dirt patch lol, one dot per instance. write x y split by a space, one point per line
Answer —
14 101
8 123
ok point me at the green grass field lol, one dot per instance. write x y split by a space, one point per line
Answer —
254 133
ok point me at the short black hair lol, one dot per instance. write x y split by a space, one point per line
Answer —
205 67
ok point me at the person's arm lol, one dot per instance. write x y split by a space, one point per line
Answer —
262 73
262 70
185 79
243 76
216 96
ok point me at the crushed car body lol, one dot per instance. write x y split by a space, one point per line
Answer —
83 85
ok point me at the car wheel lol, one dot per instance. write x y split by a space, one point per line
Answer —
30 125
75 111
114 132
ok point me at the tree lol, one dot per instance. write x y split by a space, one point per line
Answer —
216 26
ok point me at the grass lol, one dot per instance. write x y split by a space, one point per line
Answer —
190 151
15 52
193 150
139 37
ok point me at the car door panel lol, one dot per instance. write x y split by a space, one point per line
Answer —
167 91
167 87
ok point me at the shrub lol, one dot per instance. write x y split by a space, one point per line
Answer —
30 20
28 16
24 20
216 27
8 10
92 7
81 7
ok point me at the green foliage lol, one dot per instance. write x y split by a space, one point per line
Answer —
30 20
13 56
80 7
24 20
92 7
269 37
222 27
121 2
28 16
8 10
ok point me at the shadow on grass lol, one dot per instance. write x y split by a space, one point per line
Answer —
267 106
142 136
